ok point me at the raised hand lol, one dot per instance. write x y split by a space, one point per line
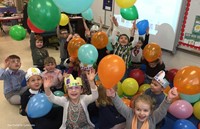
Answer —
47 82
110 92
172 94
91 74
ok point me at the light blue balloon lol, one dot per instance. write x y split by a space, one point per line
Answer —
142 26
73 6
38 106
87 54
88 14
190 98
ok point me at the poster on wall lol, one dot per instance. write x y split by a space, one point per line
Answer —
107 5
190 32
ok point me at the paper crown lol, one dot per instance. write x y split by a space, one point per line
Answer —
86 67
70 81
94 28
160 78
31 72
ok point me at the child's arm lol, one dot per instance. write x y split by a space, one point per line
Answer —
58 31
110 28
70 28
47 84
115 30
146 40
87 30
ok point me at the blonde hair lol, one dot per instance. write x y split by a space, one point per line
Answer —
103 99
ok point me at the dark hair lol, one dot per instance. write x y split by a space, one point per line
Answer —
13 57
124 35
38 37
49 60
141 39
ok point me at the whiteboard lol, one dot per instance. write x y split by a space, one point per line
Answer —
164 18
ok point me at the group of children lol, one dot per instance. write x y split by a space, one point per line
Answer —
78 83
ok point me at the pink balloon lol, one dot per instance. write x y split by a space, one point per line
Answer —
181 109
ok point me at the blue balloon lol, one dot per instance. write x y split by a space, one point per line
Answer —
183 124
88 14
142 26
190 98
87 54
38 106
73 6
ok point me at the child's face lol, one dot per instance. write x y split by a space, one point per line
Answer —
142 110
153 64
35 82
74 92
39 44
123 40
139 44
63 34
156 88
50 67
14 64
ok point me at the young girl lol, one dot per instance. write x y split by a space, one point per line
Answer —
75 115
51 70
53 119
142 115
39 53
109 117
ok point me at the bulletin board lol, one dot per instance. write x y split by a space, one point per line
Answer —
190 30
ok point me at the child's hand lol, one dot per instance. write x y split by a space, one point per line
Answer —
6 63
47 81
147 30
172 94
87 33
115 21
65 74
91 74
110 92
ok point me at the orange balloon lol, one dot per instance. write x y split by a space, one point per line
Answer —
73 46
99 40
111 69
187 80
127 101
152 52
166 90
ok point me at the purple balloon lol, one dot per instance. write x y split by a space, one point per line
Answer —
181 109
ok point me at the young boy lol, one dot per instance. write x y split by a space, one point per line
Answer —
39 53
158 84
13 77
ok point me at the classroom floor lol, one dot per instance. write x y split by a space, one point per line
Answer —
9 114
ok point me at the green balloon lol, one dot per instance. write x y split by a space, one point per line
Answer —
44 14
59 93
17 32
129 13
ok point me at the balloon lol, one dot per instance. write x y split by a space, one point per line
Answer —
166 90
127 101
181 109
152 52
138 75
111 66
17 32
144 87
44 14
196 108
88 14
58 93
73 46
119 89
129 13
64 19
142 26
73 6
187 80
171 74
33 27
125 3
130 86
38 106
183 124
99 40
190 98
87 54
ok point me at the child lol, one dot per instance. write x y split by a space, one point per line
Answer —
13 77
64 37
142 115
109 117
158 84
75 105
51 70
39 53
152 68
50 121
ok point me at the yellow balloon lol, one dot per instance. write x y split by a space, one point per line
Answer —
64 19
143 88
119 89
196 109
130 86
125 3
